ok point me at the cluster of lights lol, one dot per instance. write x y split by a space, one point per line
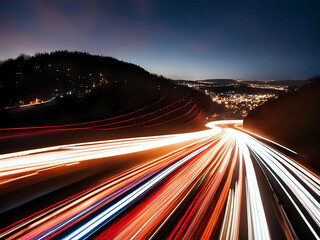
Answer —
86 84
239 105
242 103
265 85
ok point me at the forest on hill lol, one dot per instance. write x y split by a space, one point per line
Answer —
83 87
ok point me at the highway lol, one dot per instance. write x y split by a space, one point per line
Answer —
220 183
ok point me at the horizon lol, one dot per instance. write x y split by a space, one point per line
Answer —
215 78
180 40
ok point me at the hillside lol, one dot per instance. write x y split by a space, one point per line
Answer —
82 87
293 120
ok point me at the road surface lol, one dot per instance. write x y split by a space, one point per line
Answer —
220 183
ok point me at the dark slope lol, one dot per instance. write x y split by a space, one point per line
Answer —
294 120
85 87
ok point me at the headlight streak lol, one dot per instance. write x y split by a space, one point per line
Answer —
185 194
229 229
231 220
295 205
87 198
33 160
189 176
257 222
266 139
273 163
91 226
165 199
210 191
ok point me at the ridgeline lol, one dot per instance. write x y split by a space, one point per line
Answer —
82 87
293 120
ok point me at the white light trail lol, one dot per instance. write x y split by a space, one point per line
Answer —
276 166
257 222
44 158
213 175
86 230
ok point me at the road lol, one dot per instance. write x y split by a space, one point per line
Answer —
220 183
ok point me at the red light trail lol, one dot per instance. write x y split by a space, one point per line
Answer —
212 187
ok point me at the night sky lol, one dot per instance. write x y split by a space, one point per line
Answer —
179 39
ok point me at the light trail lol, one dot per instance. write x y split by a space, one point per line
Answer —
223 183
84 123
44 158
154 113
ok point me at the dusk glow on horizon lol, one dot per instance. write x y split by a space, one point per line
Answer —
178 39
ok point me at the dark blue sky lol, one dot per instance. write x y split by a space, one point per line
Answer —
179 39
